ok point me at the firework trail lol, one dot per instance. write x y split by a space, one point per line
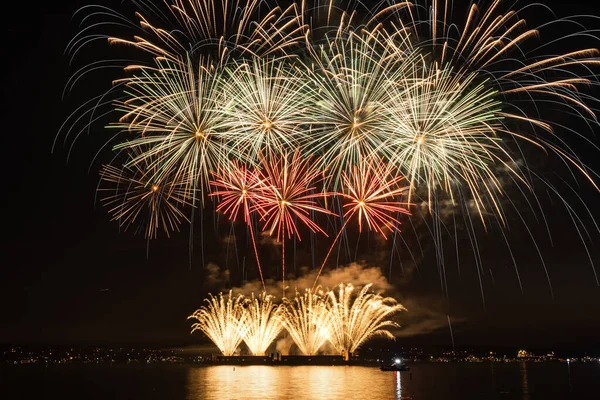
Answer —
371 190
222 320
456 110
201 32
354 319
345 318
220 29
444 135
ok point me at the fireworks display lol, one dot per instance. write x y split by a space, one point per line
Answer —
308 118
341 317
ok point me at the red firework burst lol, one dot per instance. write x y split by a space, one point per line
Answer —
372 190
236 188
288 191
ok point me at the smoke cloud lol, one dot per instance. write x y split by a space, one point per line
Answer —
284 345
215 277
355 273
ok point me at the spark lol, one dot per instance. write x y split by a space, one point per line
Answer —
444 135
352 72
372 192
288 190
311 319
222 28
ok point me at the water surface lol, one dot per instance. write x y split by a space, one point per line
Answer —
548 381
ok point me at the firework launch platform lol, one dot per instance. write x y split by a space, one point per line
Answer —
277 359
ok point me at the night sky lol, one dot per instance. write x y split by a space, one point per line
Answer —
70 276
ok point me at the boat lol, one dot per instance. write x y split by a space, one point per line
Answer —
396 366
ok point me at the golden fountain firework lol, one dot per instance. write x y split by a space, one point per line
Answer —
263 322
342 317
222 321
351 322
306 321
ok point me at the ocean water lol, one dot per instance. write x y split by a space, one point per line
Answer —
525 381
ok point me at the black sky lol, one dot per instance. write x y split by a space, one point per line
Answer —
69 275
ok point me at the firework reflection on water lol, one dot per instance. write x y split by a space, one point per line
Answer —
283 382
